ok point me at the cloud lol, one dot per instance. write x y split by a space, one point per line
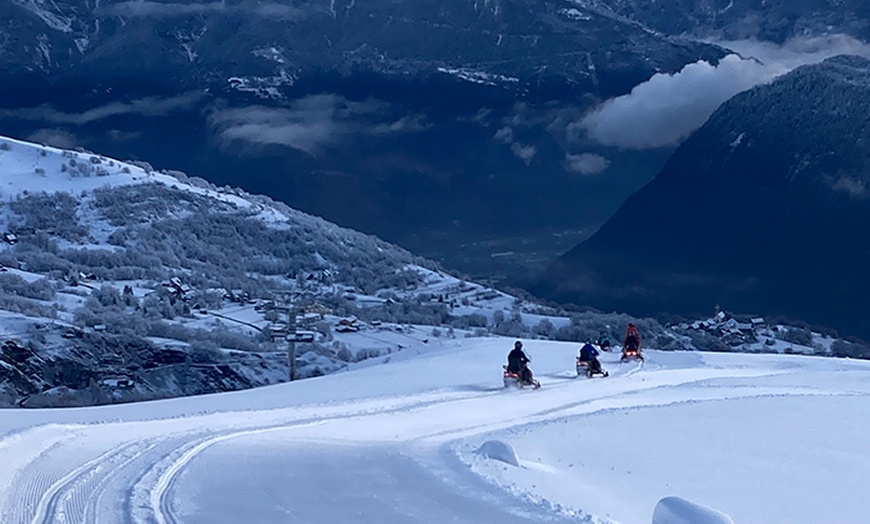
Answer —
586 163
160 9
667 108
281 11
505 135
524 152
851 186
151 106
406 124
310 124
54 137
151 9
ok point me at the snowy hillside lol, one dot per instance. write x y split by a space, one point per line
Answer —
437 438
121 283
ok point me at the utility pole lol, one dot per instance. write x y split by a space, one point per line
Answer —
290 302
291 341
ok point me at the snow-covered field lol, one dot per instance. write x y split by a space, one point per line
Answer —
762 438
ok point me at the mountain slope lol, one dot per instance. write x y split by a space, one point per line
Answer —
421 122
120 283
763 209
73 40
749 19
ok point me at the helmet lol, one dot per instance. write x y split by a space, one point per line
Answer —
518 344
588 340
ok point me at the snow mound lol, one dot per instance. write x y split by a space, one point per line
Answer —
501 451
674 510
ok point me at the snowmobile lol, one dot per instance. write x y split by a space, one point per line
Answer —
630 354
583 368
513 379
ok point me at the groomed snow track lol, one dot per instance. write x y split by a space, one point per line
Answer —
150 466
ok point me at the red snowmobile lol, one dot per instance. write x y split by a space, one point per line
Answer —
521 379
586 367
631 345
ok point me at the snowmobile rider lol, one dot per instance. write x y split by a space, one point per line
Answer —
589 354
605 343
632 339
518 362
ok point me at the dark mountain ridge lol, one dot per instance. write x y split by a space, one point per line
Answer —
771 20
765 208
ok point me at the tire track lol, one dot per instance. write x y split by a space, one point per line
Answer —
51 503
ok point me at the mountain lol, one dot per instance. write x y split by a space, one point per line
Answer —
776 20
548 46
445 127
120 283
763 209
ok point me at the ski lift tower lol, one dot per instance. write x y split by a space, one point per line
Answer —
291 302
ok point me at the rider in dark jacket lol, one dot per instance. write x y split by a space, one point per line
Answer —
517 362
589 354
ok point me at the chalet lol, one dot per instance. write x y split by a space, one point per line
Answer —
276 330
757 321
318 275
111 361
319 309
100 328
72 333
264 305
119 382
347 325
177 287
301 336
10 238
310 318
237 295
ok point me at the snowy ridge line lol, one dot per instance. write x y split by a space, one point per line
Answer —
781 393
125 173
616 403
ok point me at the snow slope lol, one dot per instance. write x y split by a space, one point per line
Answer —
751 436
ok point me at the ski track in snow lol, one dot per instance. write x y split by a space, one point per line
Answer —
131 471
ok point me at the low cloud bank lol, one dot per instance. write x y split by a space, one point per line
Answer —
311 124
667 108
